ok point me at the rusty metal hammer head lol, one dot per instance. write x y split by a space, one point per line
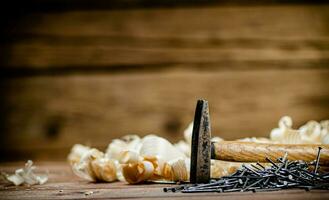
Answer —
201 146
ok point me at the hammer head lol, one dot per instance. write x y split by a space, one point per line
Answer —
201 146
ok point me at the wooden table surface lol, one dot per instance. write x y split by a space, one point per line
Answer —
63 184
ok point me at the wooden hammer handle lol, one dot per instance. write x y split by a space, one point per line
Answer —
257 152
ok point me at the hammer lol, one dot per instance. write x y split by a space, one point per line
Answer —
202 150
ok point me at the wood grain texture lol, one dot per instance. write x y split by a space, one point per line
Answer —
64 5
53 113
251 152
61 178
165 37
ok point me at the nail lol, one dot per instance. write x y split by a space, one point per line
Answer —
253 171
232 190
254 166
253 184
282 175
260 165
268 159
317 160
245 183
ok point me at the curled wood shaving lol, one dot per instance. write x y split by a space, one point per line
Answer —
312 132
26 176
325 131
156 159
222 168
284 133
87 193
126 143
177 170
91 164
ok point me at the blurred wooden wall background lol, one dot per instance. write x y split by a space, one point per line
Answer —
74 73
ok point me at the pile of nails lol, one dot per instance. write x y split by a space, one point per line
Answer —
282 174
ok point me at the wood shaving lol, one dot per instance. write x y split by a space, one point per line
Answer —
155 159
87 193
26 176
311 133
92 164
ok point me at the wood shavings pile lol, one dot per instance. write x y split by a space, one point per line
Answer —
312 132
132 159
152 158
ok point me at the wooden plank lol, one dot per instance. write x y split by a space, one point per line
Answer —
63 184
156 193
46 115
63 5
165 37
93 55
229 22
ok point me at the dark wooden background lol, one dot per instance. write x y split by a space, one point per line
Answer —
90 71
